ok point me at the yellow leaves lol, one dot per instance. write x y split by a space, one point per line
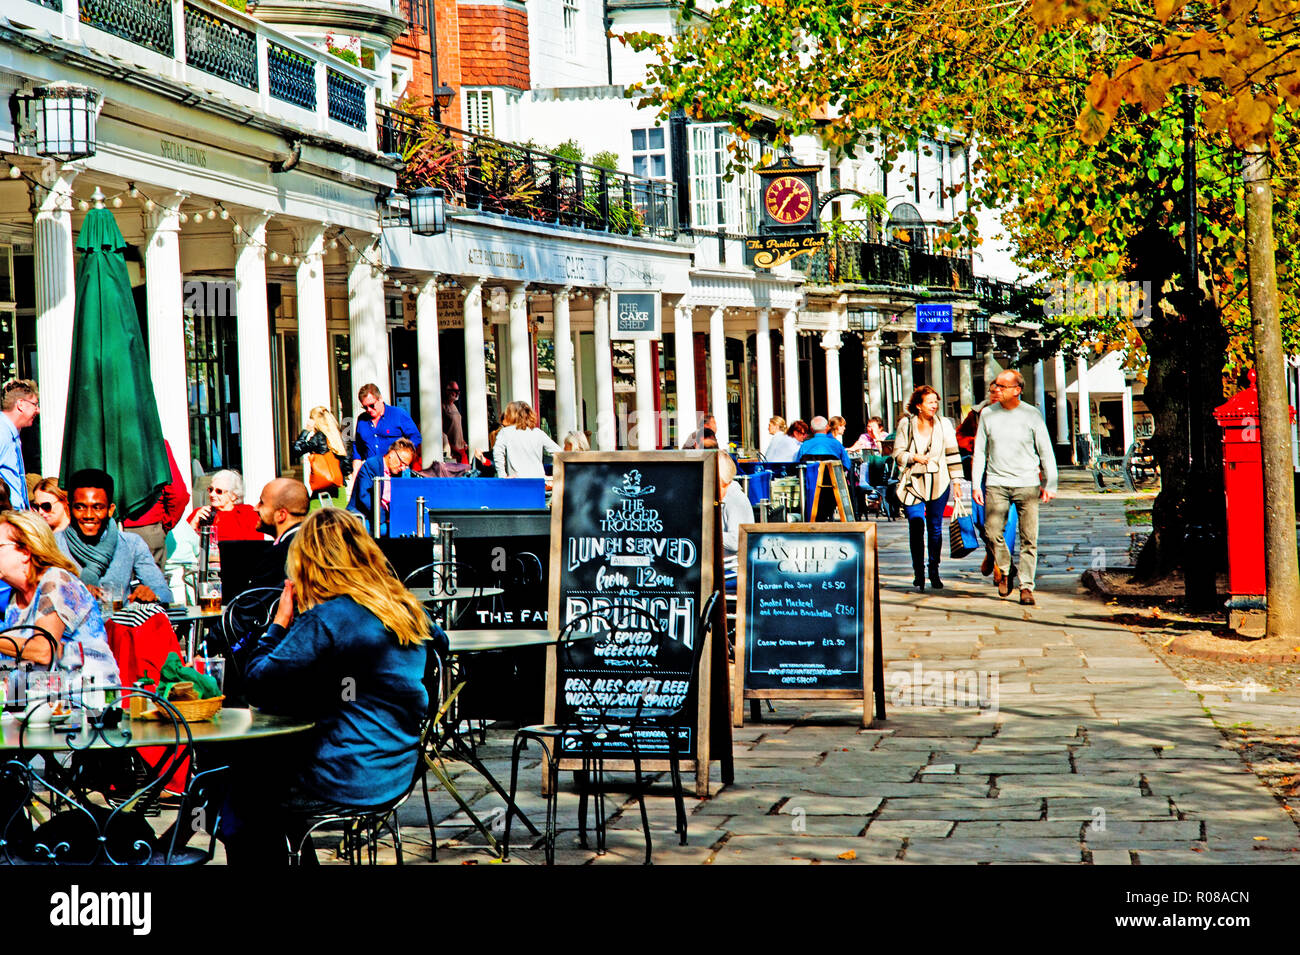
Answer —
1250 118
1167 8
1092 125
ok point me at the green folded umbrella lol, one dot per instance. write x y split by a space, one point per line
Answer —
112 420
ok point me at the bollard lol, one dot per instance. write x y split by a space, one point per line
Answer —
376 500
419 516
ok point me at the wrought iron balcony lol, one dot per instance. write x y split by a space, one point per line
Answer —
478 172
210 45
857 255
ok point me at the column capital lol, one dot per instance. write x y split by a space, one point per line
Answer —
906 340
873 339
308 237
831 340
53 194
165 214
717 311
252 228
936 341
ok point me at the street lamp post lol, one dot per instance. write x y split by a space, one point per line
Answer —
441 94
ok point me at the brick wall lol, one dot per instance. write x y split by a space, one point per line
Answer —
414 44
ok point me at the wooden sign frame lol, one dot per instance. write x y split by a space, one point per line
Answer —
872 654
711 727
839 485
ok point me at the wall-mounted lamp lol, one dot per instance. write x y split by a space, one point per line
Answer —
62 119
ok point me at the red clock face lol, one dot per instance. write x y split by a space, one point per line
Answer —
788 200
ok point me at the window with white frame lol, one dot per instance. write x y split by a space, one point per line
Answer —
650 153
571 27
478 111
715 201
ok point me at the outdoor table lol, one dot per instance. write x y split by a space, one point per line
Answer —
230 725
465 643
440 595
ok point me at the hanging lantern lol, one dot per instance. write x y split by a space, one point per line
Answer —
62 119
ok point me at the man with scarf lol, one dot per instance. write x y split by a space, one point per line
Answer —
109 557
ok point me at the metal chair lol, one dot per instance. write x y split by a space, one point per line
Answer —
53 816
880 477
598 731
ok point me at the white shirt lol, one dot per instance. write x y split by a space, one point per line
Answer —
781 448
519 453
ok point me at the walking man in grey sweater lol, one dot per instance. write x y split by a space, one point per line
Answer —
1014 458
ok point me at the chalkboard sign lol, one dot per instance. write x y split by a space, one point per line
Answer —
633 529
831 498
808 615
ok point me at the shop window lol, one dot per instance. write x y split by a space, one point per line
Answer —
649 153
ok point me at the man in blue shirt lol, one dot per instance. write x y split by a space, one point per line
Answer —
820 445
379 427
18 410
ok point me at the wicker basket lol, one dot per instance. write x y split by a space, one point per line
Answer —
194 711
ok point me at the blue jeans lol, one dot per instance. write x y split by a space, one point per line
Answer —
927 518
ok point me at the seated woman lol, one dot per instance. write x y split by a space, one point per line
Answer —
51 502
346 651
110 557
232 519
47 594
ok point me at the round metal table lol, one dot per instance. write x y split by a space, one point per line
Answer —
230 725
439 595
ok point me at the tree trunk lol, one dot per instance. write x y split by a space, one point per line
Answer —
1156 258
1282 567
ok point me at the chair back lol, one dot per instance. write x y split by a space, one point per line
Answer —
21 643
49 817
245 618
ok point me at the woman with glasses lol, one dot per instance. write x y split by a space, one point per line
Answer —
51 502
232 519
48 594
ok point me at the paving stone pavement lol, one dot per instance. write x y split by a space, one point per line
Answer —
1087 749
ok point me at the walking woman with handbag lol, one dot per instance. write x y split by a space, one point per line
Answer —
325 461
925 448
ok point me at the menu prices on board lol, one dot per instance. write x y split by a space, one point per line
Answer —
804 610
630 540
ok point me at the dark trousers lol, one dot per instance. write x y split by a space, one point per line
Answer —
925 522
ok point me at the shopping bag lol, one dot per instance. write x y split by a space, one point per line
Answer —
962 538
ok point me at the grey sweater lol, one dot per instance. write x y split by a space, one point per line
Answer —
1011 447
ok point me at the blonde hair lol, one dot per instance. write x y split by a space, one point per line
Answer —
333 556
836 423
324 422
777 420
576 441
34 536
726 468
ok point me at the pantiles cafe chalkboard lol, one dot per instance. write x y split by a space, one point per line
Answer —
639 530
808 615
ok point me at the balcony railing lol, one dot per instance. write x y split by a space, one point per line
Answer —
854 262
258 66
478 172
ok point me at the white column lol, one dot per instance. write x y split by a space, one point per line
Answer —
476 423
256 421
646 426
606 432
164 287
521 351
579 416
1128 417
368 333
991 367
936 367
566 419
965 387
790 348
56 310
1040 387
718 374
684 352
1085 401
313 337
906 385
1062 403
874 394
831 342
429 363
763 361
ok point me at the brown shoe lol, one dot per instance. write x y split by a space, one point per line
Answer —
999 578
1026 596
986 567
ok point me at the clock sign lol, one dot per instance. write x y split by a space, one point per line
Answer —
788 200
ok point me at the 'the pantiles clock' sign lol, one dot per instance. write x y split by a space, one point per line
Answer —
790 215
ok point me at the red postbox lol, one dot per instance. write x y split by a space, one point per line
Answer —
1243 483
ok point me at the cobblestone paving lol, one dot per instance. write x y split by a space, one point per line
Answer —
1090 749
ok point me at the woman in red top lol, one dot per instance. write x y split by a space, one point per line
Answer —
235 520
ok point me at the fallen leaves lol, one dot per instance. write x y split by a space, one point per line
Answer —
847 856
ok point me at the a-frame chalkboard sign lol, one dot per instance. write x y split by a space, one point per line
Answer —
642 530
808 615
832 483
